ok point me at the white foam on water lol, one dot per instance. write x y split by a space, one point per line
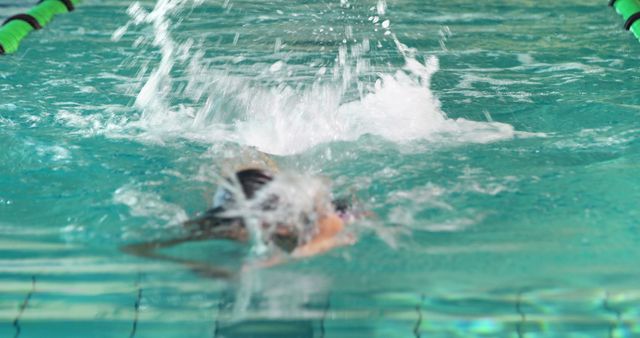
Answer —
55 153
407 205
280 118
147 204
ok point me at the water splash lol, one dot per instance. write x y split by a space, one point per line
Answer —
281 105
145 204
281 115
291 199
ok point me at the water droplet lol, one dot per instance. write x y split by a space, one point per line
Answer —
381 7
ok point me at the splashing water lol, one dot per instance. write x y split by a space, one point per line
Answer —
292 200
278 117
534 237
189 95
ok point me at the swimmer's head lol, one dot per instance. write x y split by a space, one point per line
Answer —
249 180
286 233
252 180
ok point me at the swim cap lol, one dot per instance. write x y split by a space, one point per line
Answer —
250 180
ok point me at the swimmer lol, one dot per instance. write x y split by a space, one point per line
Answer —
315 231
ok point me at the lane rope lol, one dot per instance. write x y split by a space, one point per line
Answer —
630 12
17 27
26 18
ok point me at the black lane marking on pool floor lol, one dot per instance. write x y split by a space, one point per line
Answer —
523 316
136 309
416 328
325 311
606 305
221 306
23 307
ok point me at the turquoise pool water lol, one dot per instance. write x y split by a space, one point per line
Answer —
496 143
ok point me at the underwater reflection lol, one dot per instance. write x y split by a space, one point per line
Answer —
274 304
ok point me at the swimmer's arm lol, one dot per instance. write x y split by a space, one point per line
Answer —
308 250
329 236
317 247
148 250
266 263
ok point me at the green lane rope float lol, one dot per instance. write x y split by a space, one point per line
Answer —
630 11
17 27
